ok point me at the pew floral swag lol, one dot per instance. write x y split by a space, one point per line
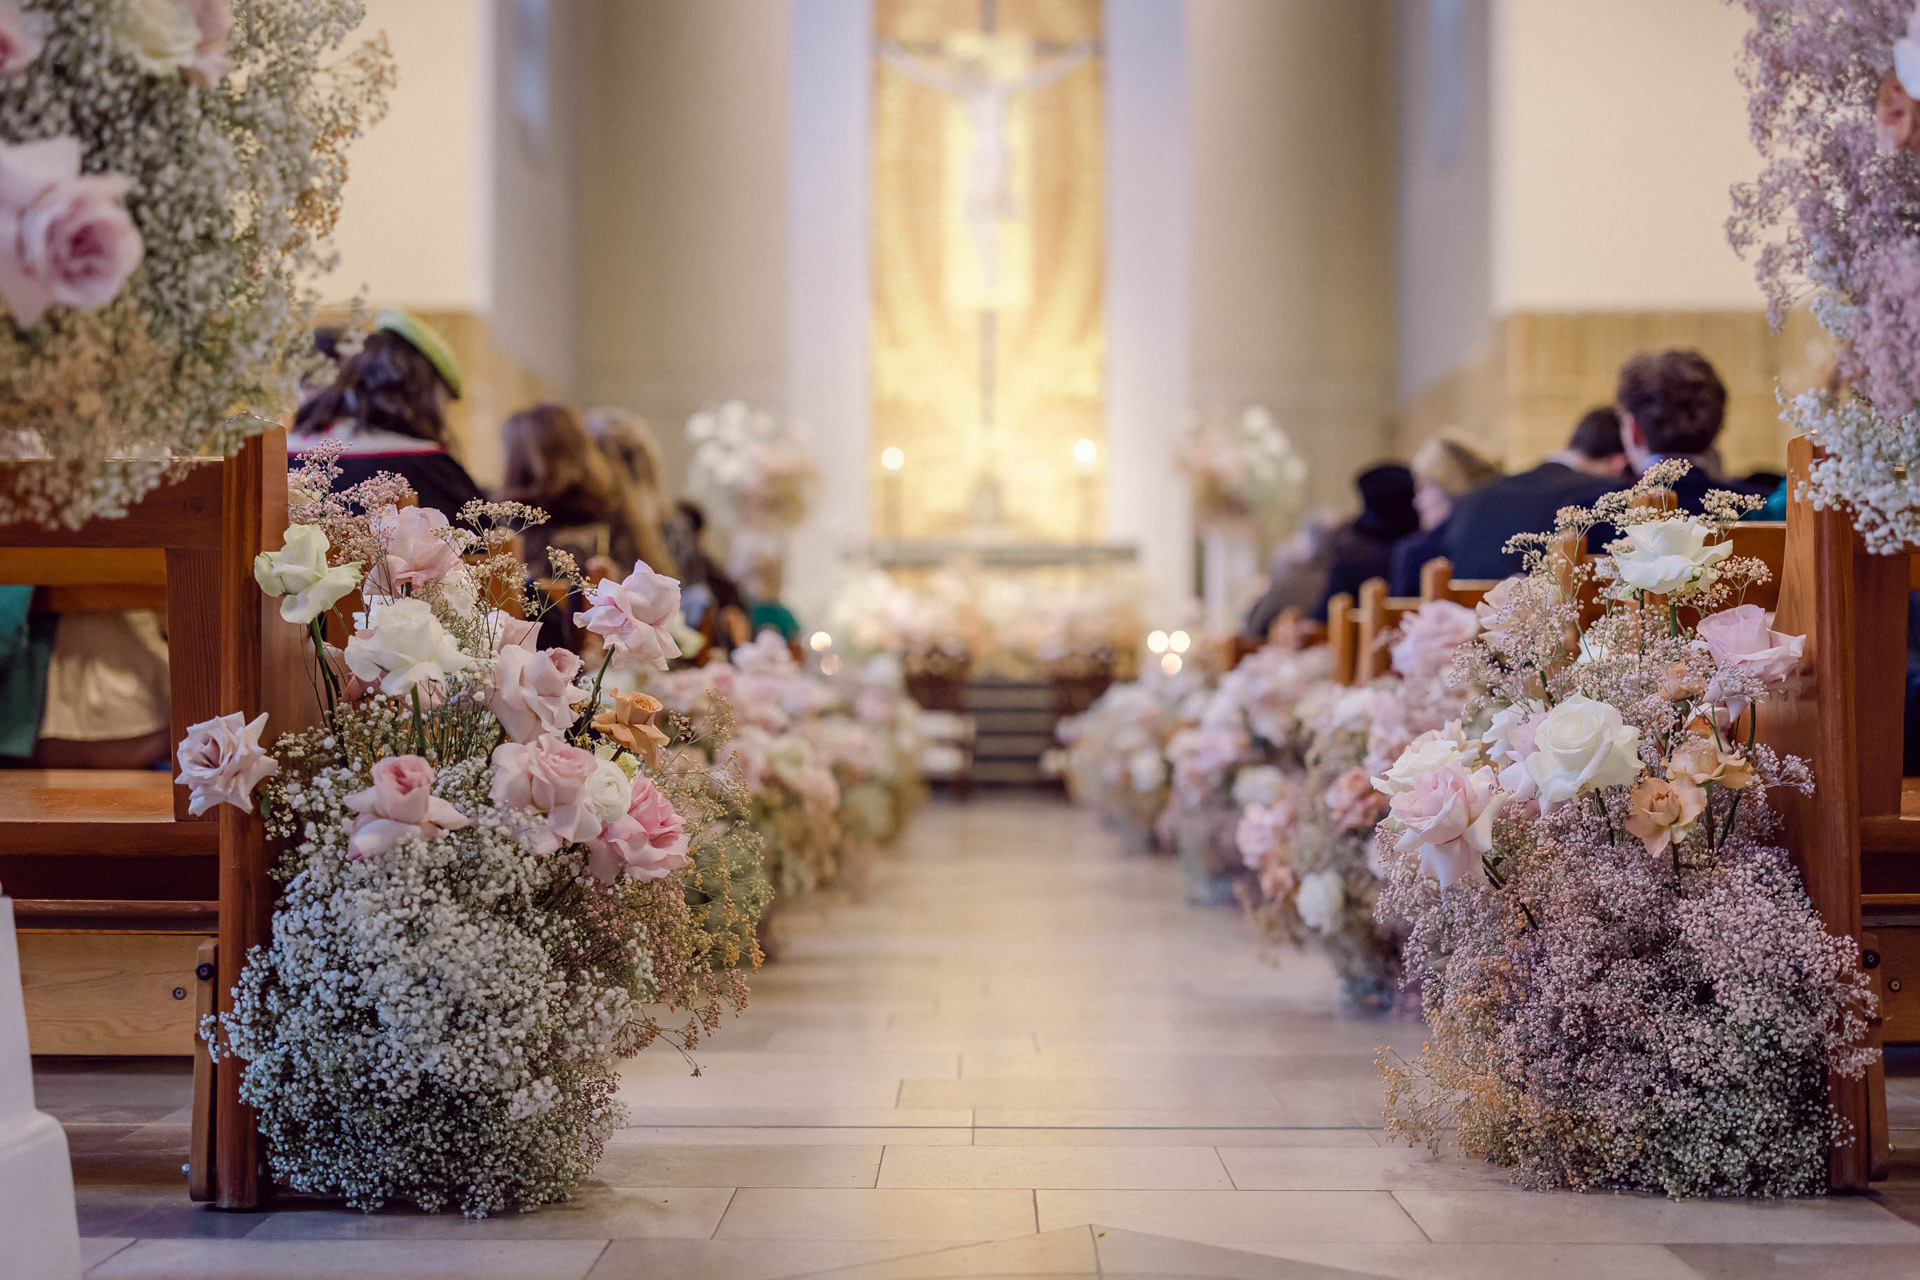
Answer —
170 175
1625 982
1832 217
495 876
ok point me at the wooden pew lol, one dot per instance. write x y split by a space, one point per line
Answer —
1856 840
1438 583
1343 634
128 905
1379 614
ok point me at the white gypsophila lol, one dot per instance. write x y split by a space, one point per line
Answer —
235 188
419 1028
1869 465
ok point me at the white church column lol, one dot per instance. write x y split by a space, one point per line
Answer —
1149 291
828 282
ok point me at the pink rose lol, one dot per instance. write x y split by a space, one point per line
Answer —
646 842
210 61
631 616
1741 638
1428 639
548 775
400 805
533 692
417 551
1448 816
753 749
64 236
22 36
221 762
1263 832
1896 117
1353 802
511 632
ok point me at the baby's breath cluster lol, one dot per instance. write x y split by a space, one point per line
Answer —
235 185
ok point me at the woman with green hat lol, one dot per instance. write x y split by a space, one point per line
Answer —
388 405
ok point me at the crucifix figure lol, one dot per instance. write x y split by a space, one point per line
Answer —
984 96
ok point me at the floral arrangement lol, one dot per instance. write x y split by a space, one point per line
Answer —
1116 752
1832 87
170 171
1626 985
1244 469
496 879
749 468
1312 845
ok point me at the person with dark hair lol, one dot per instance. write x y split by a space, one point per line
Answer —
1672 405
1483 521
704 586
388 405
1362 548
553 464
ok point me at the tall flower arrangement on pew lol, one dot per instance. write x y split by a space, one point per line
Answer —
1312 846
495 877
1244 748
170 172
1835 215
1626 984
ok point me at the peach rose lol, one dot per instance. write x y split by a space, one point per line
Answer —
1353 802
400 805
1661 811
629 722
1698 761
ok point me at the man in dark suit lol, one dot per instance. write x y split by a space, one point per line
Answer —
1672 405
1593 463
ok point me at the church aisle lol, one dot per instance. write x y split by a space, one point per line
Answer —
1021 1054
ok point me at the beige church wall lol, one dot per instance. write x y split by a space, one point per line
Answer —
684 204
1292 207
1603 229
455 213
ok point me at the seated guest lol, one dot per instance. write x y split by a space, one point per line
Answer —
1483 521
1445 470
704 586
634 455
1672 405
1297 574
388 404
1362 548
553 464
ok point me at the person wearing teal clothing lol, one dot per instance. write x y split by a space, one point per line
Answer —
26 646
763 615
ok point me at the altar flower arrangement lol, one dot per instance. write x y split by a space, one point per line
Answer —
170 172
1831 100
497 886
749 468
1244 469
1625 983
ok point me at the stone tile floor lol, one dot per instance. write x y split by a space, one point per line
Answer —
1019 1054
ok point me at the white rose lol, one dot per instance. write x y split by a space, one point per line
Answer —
167 36
1146 770
1582 745
608 790
1664 556
404 646
298 573
1434 749
1262 785
1319 900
